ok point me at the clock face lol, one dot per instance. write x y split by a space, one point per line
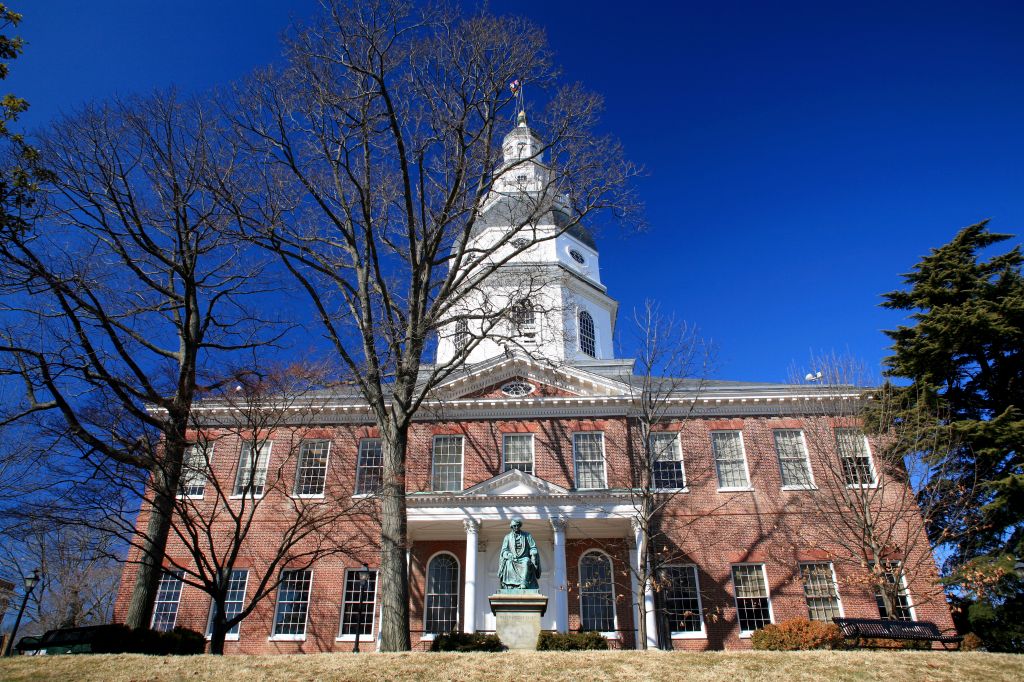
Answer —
577 256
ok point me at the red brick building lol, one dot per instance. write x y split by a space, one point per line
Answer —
547 436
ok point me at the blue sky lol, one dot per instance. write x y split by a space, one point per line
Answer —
799 156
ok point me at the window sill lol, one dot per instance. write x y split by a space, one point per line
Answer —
861 486
362 638
789 488
739 489
228 638
669 491
362 496
746 634
246 497
308 497
612 635
286 638
690 635
427 637
189 497
590 490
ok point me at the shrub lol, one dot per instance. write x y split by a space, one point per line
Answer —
119 639
465 641
972 643
573 641
798 634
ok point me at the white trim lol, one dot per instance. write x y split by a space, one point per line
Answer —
234 485
745 634
871 459
738 489
373 619
208 467
462 461
703 632
458 596
612 634
604 462
682 461
533 451
746 462
811 484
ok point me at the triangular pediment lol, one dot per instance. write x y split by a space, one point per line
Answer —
514 483
497 379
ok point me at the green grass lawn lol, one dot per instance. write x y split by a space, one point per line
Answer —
898 666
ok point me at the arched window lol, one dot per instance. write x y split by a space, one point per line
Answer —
461 335
597 594
523 317
588 337
441 612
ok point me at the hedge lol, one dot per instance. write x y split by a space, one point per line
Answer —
573 641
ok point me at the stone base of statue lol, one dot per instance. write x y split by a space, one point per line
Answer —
517 614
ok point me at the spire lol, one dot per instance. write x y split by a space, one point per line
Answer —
521 119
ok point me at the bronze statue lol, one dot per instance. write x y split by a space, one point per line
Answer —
519 566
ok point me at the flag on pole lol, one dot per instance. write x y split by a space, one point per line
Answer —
514 86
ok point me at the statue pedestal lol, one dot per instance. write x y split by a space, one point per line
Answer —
517 614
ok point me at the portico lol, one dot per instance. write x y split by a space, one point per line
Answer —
555 516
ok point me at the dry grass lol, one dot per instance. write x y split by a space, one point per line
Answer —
575 667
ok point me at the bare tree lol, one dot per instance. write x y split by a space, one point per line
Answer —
125 290
876 489
379 155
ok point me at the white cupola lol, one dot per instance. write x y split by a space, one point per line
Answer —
569 317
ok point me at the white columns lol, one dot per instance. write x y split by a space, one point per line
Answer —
472 548
560 582
650 619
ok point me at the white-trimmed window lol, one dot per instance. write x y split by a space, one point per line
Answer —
252 469
753 603
524 319
730 459
292 604
233 602
588 454
667 461
855 456
794 464
447 463
195 470
311 472
358 604
682 601
588 334
903 608
441 606
168 594
461 339
369 466
597 592
517 452
820 591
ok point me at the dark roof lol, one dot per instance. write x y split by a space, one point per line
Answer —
526 207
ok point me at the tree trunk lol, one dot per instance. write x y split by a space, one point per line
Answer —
218 632
154 544
394 575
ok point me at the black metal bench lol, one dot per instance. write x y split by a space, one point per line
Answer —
904 630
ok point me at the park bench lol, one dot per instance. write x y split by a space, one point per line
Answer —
904 630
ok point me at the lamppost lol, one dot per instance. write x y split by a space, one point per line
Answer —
364 579
30 583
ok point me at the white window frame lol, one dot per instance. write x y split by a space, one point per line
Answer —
429 636
533 451
207 463
230 637
604 461
360 467
703 632
811 484
179 576
610 634
746 463
681 460
373 609
462 462
298 469
277 605
235 495
835 585
745 634
871 460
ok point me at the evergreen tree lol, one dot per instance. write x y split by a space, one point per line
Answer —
963 355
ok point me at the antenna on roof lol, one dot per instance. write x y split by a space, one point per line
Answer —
812 377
